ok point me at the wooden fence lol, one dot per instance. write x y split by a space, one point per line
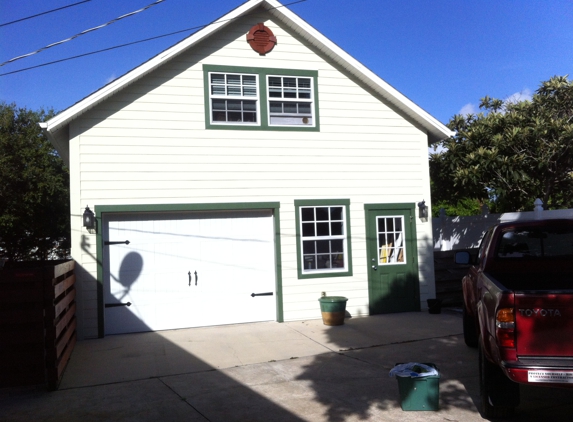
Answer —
37 323
449 276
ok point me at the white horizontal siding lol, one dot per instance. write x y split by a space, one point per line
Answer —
148 145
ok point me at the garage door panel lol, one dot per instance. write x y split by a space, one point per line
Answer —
124 320
229 256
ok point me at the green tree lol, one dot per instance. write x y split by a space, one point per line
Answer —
511 153
34 189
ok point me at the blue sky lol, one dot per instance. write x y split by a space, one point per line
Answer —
444 54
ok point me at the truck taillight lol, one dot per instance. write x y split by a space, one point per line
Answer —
505 327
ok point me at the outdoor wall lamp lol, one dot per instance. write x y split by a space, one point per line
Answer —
89 219
423 210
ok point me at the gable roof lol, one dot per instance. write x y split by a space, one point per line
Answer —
57 127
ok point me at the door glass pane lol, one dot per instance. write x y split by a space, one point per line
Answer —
391 240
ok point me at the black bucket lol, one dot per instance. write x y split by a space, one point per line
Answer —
434 306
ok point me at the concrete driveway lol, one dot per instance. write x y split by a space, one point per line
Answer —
294 371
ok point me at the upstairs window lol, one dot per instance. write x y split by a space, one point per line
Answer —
251 98
234 98
290 101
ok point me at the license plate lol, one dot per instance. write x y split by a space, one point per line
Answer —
554 377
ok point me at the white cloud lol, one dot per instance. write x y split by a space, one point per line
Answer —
524 95
469 108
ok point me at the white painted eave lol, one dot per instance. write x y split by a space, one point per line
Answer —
118 84
435 129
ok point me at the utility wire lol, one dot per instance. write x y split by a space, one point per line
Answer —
43 13
82 33
102 50
130 43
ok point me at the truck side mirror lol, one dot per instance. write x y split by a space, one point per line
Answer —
462 258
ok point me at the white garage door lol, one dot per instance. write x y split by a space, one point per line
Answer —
188 270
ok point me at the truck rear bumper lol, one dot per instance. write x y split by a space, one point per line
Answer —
550 372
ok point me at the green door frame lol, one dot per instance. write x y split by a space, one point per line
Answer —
411 243
100 210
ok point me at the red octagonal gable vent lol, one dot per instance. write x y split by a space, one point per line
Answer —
261 39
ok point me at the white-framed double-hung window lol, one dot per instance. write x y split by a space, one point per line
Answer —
290 100
253 98
234 98
323 238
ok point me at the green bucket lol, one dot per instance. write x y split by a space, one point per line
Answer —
333 309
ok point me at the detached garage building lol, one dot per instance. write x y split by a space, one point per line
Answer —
241 173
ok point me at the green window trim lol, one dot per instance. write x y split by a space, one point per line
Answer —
263 117
345 272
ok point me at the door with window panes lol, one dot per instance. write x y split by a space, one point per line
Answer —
393 281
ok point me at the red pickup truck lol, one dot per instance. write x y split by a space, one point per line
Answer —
518 309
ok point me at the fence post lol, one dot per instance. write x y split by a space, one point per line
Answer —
537 209
442 218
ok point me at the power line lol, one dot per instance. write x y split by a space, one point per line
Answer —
82 33
43 13
102 50
130 43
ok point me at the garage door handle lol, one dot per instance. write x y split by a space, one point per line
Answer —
196 278
124 242
262 294
114 305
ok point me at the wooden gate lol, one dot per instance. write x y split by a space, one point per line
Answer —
37 323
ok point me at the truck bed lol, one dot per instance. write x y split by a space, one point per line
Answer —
534 282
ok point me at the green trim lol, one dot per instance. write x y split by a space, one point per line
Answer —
397 207
413 244
262 72
99 259
393 206
224 206
100 210
318 202
278 265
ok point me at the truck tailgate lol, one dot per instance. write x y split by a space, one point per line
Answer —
544 324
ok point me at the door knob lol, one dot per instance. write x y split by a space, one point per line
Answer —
374 267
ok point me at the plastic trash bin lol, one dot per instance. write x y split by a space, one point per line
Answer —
420 393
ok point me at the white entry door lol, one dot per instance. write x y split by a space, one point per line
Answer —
188 270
